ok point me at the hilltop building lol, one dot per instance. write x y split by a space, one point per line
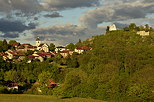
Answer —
112 27
143 33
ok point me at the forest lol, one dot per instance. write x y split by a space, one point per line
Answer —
120 68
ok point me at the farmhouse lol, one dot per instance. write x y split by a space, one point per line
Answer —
143 33
80 50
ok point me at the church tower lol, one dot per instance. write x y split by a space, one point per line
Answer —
38 42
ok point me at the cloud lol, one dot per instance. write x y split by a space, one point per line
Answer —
30 7
117 11
53 15
61 30
24 6
13 28
65 4
66 33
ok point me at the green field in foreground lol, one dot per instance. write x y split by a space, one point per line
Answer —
40 98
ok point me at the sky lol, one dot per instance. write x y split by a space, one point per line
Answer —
66 21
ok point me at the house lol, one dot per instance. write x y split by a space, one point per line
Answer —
38 56
143 33
52 84
11 85
2 53
13 54
112 27
26 47
49 84
43 47
65 53
59 49
15 44
80 50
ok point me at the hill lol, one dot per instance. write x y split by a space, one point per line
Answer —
120 67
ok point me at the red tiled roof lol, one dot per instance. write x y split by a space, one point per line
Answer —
60 47
53 83
83 48
21 47
15 44
16 53
32 47
43 53
40 45
65 51
26 45
31 56
2 53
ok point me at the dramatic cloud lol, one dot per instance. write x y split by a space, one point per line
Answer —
25 6
118 11
61 30
64 34
53 15
13 28
35 6
65 4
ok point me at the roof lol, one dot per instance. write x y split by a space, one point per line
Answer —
32 47
40 45
10 84
31 56
60 47
21 47
16 53
83 48
26 45
2 53
15 44
65 51
43 53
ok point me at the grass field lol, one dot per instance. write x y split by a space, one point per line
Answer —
40 98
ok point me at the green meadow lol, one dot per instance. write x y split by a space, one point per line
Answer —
40 98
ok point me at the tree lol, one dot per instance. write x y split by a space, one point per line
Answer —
132 26
12 76
78 43
70 46
44 78
5 45
52 47
12 41
29 52
1 43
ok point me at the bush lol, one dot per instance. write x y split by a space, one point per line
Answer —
3 90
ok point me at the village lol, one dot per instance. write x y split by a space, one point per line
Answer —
40 52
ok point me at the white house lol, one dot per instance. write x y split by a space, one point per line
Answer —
60 49
112 27
80 50
143 33
43 47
